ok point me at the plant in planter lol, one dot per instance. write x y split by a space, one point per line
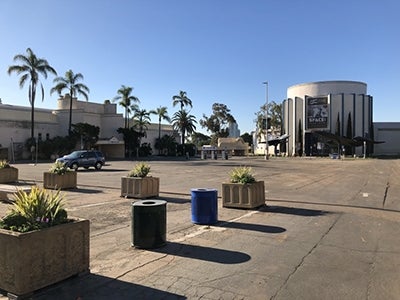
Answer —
7 172
138 183
59 177
243 190
39 244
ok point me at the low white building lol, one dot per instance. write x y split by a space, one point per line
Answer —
15 126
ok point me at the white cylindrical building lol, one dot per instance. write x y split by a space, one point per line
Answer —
341 108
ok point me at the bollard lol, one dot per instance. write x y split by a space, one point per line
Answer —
204 206
149 223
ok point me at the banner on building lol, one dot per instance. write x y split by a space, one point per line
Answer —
317 112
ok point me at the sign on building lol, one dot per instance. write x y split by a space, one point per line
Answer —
317 112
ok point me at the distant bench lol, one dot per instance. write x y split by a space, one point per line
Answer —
6 190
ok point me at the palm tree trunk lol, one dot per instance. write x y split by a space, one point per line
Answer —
126 117
159 136
32 112
183 136
70 114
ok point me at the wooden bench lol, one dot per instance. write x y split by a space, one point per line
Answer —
7 190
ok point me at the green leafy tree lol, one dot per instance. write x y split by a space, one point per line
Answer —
131 138
199 139
247 138
162 114
70 83
181 99
184 122
88 134
274 113
167 144
218 121
127 101
30 68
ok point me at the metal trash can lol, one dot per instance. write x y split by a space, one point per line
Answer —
204 206
149 223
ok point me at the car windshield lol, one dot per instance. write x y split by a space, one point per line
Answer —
75 154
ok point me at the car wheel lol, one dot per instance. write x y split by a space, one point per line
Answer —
98 165
74 166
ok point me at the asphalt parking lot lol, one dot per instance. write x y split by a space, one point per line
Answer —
329 230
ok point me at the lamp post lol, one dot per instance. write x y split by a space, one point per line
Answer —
266 120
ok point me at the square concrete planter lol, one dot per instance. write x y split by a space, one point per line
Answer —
36 259
8 175
56 181
239 195
140 187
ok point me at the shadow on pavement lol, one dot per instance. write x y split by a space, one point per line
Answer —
97 287
252 227
84 191
221 256
103 170
294 211
177 200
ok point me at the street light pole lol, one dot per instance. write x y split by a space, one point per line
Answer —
266 121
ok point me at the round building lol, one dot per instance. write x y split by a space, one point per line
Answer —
321 117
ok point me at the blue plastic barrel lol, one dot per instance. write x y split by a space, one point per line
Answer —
204 206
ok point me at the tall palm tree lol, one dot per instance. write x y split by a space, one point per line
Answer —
70 83
182 99
30 68
127 101
162 114
184 122
141 119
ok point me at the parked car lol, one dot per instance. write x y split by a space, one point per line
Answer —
83 158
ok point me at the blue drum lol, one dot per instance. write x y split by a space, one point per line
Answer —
204 206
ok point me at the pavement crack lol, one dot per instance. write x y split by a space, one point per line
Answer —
386 193
305 257
372 271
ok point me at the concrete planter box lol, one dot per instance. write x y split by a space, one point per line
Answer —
55 181
137 187
239 195
36 259
8 175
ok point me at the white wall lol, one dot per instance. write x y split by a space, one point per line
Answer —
389 133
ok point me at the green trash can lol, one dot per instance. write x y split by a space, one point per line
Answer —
149 223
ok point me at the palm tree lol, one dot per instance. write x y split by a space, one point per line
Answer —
182 99
162 114
70 83
141 119
31 67
127 101
184 122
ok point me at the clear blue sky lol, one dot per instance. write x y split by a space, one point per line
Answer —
215 50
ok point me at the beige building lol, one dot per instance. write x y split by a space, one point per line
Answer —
15 126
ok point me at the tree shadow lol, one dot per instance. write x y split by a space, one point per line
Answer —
252 227
216 255
294 211
98 287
